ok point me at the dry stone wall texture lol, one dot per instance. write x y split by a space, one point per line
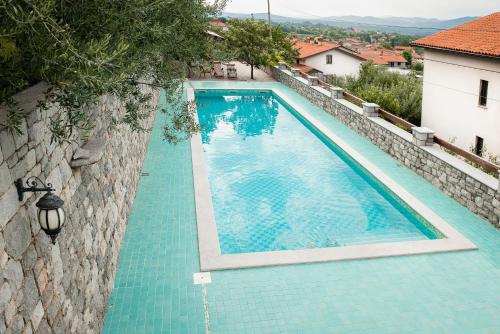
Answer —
64 288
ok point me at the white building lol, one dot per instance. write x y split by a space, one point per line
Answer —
461 92
328 58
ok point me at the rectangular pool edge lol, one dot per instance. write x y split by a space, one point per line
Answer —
209 248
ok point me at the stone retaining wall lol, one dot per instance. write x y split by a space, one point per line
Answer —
64 288
443 170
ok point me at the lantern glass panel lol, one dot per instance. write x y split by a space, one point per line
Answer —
62 216
53 219
42 218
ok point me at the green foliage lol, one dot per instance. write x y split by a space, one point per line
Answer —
408 56
418 67
250 42
396 93
336 33
387 45
85 49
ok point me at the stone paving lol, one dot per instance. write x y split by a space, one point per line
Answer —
243 71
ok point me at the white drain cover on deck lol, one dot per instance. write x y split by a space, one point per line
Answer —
202 278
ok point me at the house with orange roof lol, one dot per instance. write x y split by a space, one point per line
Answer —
218 24
461 85
326 58
384 57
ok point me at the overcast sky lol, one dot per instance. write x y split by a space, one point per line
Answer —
441 9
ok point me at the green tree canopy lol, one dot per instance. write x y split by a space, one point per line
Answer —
408 56
249 39
85 49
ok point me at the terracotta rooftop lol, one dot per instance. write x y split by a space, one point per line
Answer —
217 23
382 57
480 36
307 49
310 49
303 68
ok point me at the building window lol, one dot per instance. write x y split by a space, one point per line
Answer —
329 59
478 149
483 92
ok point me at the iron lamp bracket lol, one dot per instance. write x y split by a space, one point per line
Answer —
33 184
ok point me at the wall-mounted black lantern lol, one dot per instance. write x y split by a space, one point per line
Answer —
51 215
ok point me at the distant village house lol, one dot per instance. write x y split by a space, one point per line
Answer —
326 58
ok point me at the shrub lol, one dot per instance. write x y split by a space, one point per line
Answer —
394 92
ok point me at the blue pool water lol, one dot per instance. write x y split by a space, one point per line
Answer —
278 184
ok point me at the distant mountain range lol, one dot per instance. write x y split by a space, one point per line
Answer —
403 25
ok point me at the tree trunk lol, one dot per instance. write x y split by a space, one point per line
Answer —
251 71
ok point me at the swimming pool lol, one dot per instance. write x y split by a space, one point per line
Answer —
278 184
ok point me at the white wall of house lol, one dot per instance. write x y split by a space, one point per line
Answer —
342 63
450 103
398 70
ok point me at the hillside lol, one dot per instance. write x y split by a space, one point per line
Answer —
403 25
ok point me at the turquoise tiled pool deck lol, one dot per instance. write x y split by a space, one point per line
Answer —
456 292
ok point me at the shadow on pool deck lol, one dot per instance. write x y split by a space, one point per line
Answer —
456 292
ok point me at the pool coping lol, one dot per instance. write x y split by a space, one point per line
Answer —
208 241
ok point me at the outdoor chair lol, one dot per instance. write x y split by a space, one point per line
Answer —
231 72
205 69
217 70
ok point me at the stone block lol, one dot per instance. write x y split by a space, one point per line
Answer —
57 264
370 109
65 171
312 80
37 132
295 72
27 329
10 312
26 164
337 92
5 178
13 273
37 315
29 258
5 295
21 139
9 203
22 151
3 328
422 136
31 296
17 235
16 325
7 143
12 160
95 148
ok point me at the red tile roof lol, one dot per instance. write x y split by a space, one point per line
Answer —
480 36
304 68
309 49
382 57
217 23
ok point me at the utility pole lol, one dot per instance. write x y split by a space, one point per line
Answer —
269 19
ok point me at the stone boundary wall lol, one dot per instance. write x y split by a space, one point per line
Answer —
64 288
475 190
